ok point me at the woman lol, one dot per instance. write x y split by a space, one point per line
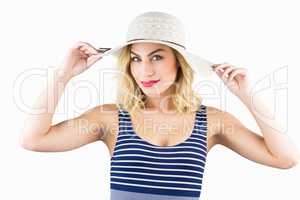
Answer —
155 89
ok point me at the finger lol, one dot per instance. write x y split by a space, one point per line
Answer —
226 72
220 71
222 67
85 50
233 74
88 52
85 46
236 72
79 44
93 59
83 54
82 48
89 47
218 64
94 50
214 66
91 50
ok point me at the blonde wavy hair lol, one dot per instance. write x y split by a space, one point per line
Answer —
130 96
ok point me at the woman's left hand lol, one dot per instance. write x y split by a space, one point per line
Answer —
236 79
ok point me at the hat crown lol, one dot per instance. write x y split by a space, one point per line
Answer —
157 26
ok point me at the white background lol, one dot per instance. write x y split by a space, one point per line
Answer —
262 36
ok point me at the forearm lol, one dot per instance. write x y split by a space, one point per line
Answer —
275 137
38 120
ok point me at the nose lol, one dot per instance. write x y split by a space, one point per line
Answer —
148 69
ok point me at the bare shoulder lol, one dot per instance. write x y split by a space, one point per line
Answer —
104 117
108 116
220 122
216 120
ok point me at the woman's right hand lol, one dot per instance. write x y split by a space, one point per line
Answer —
79 58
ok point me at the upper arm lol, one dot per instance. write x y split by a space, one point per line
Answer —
89 127
237 137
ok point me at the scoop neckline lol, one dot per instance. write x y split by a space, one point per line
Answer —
157 146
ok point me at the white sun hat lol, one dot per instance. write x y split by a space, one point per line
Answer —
162 28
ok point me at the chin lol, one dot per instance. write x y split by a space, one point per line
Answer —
155 91
152 92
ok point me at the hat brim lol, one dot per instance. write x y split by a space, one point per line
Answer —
197 63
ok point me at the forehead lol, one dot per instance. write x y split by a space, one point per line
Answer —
145 47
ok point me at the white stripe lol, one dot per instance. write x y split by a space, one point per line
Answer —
157 157
157 147
159 169
133 135
129 134
160 187
161 175
196 143
148 162
198 139
198 117
200 130
119 150
129 126
201 118
128 122
137 139
201 125
154 180
125 131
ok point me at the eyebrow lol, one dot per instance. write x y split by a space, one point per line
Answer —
149 53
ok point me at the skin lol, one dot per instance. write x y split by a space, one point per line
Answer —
270 147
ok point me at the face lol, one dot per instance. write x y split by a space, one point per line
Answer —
153 67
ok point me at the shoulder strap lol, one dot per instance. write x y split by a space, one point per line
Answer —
124 122
201 123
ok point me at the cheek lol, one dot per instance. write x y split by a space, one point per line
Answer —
169 72
136 74
133 71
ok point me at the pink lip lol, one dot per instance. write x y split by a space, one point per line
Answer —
149 83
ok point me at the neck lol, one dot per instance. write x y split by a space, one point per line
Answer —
162 103
159 104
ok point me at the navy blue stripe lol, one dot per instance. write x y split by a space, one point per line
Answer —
151 148
157 160
155 171
155 177
167 155
132 140
157 165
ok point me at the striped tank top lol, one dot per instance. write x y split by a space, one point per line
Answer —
144 171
